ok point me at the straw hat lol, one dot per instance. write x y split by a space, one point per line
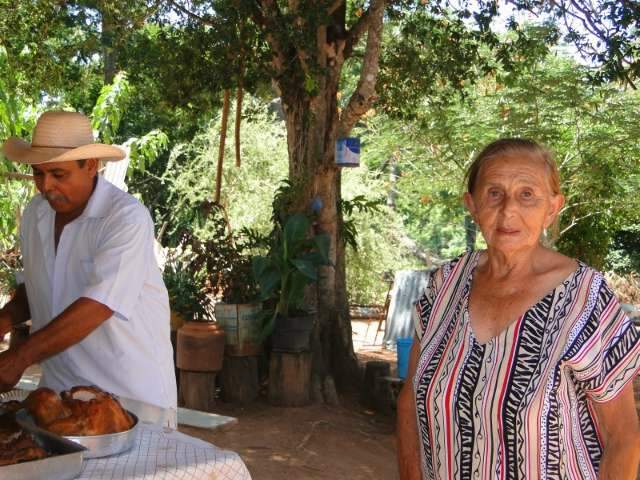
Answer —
60 137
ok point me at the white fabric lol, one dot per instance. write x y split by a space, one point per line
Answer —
106 254
166 454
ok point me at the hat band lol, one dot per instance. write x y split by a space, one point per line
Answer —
33 145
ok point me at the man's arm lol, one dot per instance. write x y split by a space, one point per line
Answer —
409 461
621 436
15 312
76 322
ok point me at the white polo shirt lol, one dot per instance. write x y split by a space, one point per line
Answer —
105 254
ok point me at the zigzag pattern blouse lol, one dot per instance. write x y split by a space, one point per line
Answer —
519 406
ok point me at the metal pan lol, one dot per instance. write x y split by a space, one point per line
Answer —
64 463
97 446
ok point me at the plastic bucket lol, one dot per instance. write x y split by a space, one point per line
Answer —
404 347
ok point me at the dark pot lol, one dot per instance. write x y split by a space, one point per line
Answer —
292 334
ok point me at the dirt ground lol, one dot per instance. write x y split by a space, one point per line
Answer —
317 442
312 443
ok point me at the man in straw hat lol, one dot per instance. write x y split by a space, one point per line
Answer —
91 286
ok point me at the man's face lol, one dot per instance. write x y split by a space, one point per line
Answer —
66 185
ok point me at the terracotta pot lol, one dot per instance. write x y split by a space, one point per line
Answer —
200 347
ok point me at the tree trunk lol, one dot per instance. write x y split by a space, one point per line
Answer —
311 140
107 38
313 121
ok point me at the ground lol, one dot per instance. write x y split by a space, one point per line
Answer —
312 443
317 442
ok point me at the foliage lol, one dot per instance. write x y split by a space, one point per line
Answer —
624 253
17 117
186 296
605 34
247 191
145 150
222 260
347 208
110 106
551 101
291 264
383 246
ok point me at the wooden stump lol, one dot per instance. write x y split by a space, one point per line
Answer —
198 390
239 379
290 379
370 387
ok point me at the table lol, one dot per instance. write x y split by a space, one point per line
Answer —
163 453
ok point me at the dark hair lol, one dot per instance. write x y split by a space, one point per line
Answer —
82 162
506 147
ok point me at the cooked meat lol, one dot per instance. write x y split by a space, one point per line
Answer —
45 406
88 411
16 445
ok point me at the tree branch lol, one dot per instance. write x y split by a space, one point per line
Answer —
357 29
267 15
363 96
335 6
189 13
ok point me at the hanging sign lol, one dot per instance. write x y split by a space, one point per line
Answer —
348 152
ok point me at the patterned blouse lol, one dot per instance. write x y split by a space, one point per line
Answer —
519 406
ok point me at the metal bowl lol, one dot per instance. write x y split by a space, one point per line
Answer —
97 445
110 444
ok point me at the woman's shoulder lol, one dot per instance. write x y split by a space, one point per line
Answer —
452 267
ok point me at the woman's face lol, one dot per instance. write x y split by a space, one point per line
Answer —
513 202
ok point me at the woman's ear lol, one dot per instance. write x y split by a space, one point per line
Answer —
467 199
556 204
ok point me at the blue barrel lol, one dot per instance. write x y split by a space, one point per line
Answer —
404 347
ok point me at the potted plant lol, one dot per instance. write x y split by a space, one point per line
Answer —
291 264
238 310
223 261
198 340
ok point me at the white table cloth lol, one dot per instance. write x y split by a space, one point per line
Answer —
165 454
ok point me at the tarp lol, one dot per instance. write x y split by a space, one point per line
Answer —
408 286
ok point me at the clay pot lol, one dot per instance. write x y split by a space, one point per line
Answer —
200 347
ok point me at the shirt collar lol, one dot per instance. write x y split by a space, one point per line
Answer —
99 202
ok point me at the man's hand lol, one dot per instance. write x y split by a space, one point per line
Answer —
12 366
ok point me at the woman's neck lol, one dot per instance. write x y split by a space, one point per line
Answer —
499 264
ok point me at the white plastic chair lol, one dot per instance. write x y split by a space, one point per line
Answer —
116 172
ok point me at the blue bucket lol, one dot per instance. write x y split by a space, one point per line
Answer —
404 347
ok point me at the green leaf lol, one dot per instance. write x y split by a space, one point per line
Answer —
295 230
307 268
323 245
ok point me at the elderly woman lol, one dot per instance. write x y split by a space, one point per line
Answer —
523 362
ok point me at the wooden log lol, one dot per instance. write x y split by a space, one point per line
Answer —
290 379
198 390
373 370
239 379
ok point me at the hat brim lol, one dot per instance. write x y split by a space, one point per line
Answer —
18 150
